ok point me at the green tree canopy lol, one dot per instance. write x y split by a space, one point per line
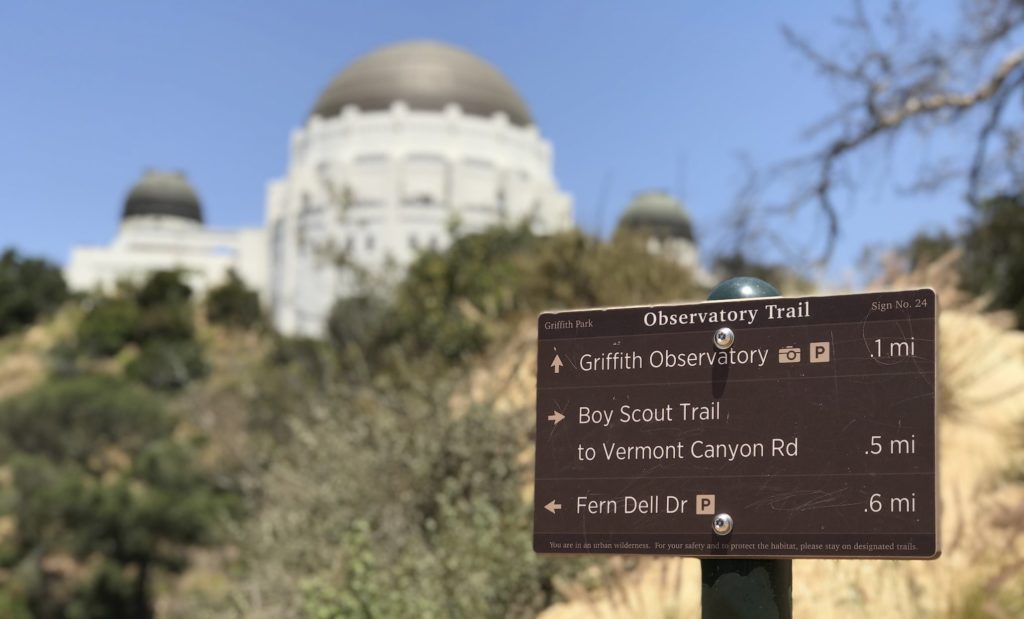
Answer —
992 242
102 495
454 303
159 318
233 304
993 260
29 288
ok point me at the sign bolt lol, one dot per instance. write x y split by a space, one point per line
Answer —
724 338
722 524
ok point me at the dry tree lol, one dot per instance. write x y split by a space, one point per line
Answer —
895 78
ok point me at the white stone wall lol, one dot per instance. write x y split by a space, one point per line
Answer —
152 243
370 190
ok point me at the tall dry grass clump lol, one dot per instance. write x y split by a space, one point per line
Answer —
981 418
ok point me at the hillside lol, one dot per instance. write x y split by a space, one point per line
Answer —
385 472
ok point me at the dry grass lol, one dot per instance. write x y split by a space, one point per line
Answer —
23 354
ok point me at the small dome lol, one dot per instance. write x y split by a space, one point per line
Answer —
163 193
659 214
426 75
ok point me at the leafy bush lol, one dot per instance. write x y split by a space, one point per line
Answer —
103 497
164 288
168 321
381 499
394 506
168 365
233 304
992 245
29 288
994 253
354 321
165 308
108 326
452 304
159 318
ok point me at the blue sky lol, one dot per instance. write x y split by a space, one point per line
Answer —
633 96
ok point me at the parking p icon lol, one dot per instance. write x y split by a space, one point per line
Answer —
705 505
821 352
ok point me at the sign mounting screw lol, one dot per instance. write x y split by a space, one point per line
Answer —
724 338
722 524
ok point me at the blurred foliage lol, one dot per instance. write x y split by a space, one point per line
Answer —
453 304
168 365
165 308
356 321
29 289
164 288
992 246
168 321
158 319
395 506
232 304
383 499
100 495
925 248
993 261
108 325
368 492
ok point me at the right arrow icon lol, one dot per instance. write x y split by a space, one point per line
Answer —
556 417
553 507
557 364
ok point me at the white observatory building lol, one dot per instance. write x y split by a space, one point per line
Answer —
668 228
162 229
408 146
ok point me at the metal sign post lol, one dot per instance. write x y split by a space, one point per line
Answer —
745 588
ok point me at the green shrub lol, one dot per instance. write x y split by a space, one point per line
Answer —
168 321
453 304
167 365
98 483
232 304
29 288
159 318
108 326
993 261
379 500
164 288
992 246
393 506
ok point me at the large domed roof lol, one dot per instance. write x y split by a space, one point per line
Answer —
657 213
163 193
426 75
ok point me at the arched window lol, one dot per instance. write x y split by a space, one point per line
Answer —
371 180
423 179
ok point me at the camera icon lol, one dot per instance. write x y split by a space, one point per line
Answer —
789 354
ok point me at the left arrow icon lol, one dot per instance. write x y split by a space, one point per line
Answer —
556 417
553 507
557 364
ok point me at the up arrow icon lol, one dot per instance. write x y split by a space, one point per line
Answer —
557 364
552 506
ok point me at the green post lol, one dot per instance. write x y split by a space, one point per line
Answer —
746 588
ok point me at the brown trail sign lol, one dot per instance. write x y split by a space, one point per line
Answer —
760 428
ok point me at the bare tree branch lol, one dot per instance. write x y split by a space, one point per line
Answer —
913 84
